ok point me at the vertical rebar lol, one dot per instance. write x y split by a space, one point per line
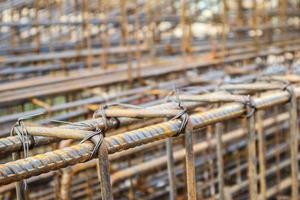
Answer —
211 167
104 35
261 154
66 182
86 33
20 185
131 192
184 32
190 163
150 28
255 21
224 24
13 30
138 48
252 173
125 38
171 169
294 131
37 27
219 130
48 5
282 14
88 186
240 19
277 144
104 172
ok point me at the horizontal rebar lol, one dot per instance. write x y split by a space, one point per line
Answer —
32 166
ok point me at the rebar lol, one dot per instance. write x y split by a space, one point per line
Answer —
149 100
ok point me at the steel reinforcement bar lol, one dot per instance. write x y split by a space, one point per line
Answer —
42 163
12 144
118 77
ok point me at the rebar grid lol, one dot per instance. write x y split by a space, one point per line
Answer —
213 137
32 166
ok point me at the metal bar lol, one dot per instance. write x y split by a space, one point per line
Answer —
20 185
190 163
212 143
261 154
141 113
294 131
253 86
11 144
237 134
218 134
104 173
138 169
81 152
95 82
252 173
171 172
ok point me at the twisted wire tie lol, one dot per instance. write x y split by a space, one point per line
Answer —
183 115
26 139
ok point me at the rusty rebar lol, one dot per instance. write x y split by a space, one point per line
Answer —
20 169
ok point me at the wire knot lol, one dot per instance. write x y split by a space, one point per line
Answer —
183 115
250 106
97 138
21 131
289 88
